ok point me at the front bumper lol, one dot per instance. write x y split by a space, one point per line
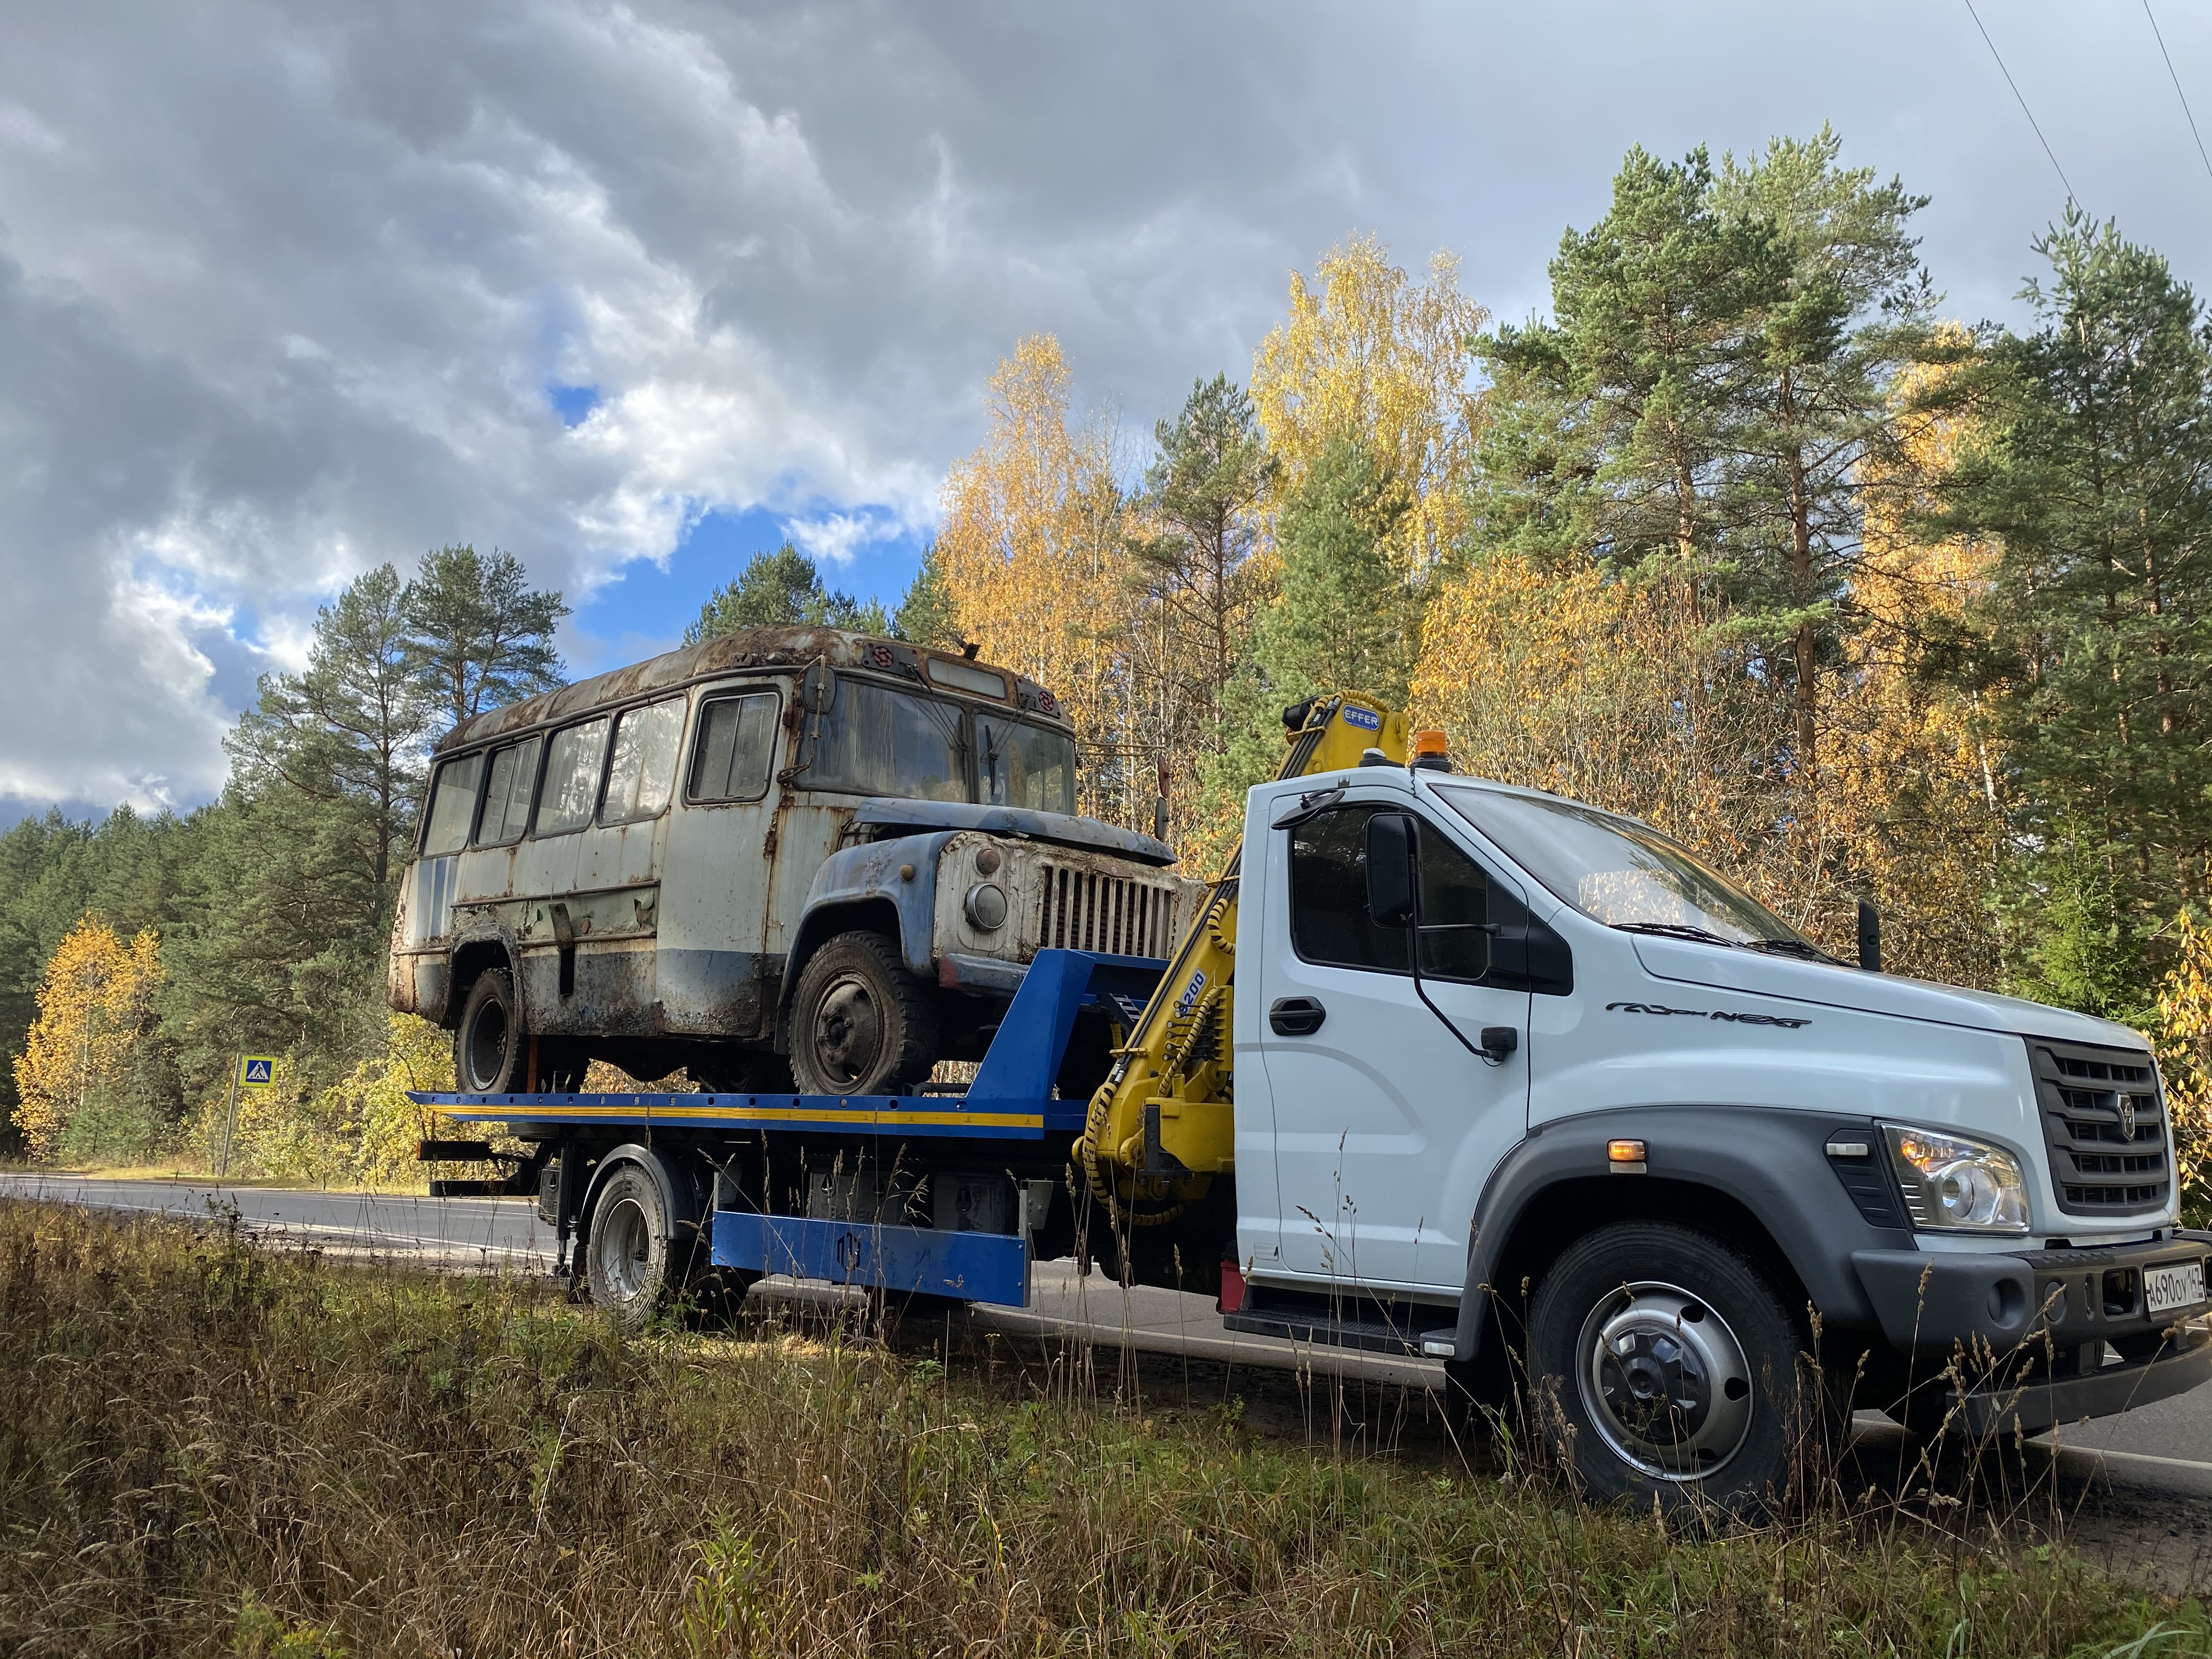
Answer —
2040 1403
1991 1304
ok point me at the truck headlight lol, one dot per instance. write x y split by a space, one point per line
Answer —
987 906
1952 1184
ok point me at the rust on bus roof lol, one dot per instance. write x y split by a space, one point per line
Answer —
745 648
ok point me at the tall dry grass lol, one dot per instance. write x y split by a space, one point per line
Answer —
210 1447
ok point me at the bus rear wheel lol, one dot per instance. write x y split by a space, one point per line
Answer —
491 1041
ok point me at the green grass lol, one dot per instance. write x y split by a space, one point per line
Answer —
209 1447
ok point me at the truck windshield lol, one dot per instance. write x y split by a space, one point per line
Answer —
1619 872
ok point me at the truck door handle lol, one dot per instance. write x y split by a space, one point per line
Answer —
1296 1016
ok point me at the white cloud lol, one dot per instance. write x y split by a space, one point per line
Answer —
836 537
284 285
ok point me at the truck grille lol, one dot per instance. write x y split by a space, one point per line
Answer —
2106 1126
1080 910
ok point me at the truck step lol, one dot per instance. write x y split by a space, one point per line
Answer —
1324 1329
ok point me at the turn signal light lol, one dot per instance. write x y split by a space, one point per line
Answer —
1623 1151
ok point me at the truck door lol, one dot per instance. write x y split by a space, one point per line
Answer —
1385 1125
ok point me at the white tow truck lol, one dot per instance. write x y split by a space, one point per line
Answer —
1454 1069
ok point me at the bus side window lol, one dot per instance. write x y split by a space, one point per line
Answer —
573 762
644 769
506 797
734 749
452 805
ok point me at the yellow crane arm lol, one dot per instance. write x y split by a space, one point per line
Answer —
1162 1125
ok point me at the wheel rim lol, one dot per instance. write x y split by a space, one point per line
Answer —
623 1242
486 1047
1665 1381
848 1031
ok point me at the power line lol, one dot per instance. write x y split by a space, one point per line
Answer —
2024 109
2177 92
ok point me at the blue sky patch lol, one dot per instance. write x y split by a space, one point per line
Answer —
572 403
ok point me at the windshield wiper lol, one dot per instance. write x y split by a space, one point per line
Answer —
1792 947
1670 930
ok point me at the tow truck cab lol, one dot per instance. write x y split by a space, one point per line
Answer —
1511 1069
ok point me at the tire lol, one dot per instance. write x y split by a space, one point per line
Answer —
491 1044
1667 1368
629 1264
860 1024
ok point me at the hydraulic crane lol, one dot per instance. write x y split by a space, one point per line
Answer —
1162 1125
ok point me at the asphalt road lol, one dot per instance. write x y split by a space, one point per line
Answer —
2167 1446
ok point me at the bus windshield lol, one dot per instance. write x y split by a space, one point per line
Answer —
876 740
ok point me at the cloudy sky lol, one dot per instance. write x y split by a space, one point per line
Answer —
631 291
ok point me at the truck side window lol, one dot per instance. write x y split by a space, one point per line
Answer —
1330 922
452 805
572 777
506 797
644 774
735 747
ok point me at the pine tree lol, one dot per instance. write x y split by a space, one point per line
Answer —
2096 644
1348 618
928 614
350 729
1824 344
1202 496
477 636
783 589
1618 415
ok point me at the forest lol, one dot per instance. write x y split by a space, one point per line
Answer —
1746 536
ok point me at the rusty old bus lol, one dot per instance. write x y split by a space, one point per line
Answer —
785 854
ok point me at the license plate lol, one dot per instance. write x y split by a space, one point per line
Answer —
2177 1285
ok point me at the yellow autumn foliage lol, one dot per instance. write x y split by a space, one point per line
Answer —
2184 1053
1032 551
96 1005
1369 353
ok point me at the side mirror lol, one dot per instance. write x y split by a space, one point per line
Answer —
819 688
1390 869
1869 938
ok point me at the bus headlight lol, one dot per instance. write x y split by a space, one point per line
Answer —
1952 1184
987 906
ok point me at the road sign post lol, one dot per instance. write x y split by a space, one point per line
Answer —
252 1072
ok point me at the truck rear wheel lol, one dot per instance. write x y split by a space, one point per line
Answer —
1668 1367
862 1024
626 1252
490 1042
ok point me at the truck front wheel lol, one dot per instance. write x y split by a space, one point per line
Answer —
860 1024
1667 1365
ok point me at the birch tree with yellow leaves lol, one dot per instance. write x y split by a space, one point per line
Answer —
1369 353
95 1007
1031 551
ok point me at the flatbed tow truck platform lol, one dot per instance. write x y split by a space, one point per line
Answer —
1010 1107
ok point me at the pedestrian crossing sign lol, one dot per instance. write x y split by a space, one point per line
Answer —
257 1071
